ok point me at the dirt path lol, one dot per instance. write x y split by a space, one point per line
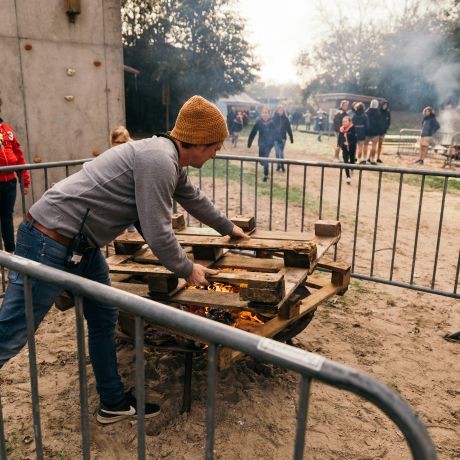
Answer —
393 334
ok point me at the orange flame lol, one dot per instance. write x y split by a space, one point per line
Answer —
221 287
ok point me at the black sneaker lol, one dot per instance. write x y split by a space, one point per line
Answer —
362 162
379 161
127 408
265 179
420 162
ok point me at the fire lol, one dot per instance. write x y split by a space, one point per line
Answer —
239 317
247 316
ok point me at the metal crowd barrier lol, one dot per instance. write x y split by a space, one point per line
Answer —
241 191
309 365
408 142
236 169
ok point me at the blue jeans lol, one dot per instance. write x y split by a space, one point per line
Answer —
264 152
7 200
101 318
279 150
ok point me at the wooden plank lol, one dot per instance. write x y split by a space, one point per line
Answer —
327 228
274 235
323 243
207 252
203 231
335 266
130 238
166 296
277 324
119 277
293 259
246 223
316 282
204 237
253 243
117 259
264 296
178 221
249 263
252 279
146 256
162 285
213 299
141 269
133 288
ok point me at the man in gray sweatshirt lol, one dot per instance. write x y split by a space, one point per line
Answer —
133 182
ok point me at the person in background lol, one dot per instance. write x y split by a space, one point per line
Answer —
385 122
337 123
296 119
359 121
373 131
266 129
10 155
237 127
347 142
429 126
321 121
282 127
120 136
231 114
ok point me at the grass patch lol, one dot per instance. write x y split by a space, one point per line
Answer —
359 287
431 182
12 442
278 190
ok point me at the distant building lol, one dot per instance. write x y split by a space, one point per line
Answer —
240 101
327 101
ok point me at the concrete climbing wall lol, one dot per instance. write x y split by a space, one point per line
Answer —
61 83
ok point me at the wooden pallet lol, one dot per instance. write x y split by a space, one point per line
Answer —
266 285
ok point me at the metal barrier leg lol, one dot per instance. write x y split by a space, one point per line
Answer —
302 417
140 387
454 336
211 403
187 392
33 365
82 377
2 434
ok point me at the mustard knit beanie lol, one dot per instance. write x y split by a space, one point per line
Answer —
200 122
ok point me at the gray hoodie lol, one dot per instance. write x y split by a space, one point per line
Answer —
130 182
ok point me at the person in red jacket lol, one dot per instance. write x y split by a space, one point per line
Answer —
10 155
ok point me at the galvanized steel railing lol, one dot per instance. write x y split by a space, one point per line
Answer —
234 183
310 366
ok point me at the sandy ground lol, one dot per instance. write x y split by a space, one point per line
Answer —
393 334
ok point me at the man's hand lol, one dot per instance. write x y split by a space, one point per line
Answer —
237 232
26 190
198 275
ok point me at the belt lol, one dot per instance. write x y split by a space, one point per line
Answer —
51 233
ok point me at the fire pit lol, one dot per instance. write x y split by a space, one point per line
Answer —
265 285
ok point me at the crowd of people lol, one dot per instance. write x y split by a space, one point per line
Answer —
359 132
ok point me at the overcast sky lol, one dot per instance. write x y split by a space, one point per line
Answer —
281 29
